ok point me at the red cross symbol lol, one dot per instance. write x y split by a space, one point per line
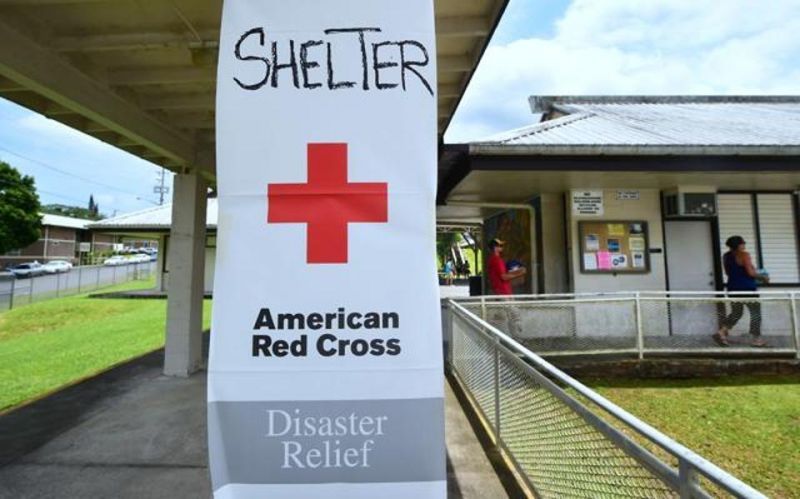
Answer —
327 203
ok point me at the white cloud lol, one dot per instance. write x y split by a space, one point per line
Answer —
636 47
51 130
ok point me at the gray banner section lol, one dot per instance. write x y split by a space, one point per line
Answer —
358 441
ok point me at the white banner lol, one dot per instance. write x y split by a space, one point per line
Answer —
325 370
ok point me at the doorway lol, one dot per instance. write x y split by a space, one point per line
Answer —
691 267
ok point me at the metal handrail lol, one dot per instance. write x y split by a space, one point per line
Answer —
636 299
625 294
686 457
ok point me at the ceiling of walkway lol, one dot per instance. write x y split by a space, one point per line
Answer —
141 74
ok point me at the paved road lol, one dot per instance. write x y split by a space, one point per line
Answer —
87 278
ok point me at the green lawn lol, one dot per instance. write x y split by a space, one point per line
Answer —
749 426
53 343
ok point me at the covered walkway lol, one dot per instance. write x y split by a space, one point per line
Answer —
141 76
133 432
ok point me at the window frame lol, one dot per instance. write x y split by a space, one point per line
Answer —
757 226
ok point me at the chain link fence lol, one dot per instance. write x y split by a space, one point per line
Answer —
15 292
646 323
564 439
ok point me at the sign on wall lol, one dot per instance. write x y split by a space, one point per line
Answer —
325 370
627 195
588 203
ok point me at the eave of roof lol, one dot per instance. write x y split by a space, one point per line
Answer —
63 221
485 149
654 125
157 219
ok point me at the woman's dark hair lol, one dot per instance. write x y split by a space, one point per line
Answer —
734 242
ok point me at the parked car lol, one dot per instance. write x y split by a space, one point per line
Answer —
140 258
31 269
57 266
115 260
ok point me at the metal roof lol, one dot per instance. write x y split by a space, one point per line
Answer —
763 125
141 75
62 221
157 219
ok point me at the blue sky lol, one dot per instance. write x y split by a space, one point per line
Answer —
542 47
580 47
69 166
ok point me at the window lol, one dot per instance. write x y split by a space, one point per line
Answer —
768 223
778 234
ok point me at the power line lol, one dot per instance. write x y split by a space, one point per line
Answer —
64 172
61 196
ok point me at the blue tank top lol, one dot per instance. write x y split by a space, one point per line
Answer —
738 280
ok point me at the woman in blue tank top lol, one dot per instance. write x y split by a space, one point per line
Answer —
741 277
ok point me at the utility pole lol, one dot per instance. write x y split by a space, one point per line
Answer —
160 188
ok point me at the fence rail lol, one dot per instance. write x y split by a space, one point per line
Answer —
15 292
565 439
646 323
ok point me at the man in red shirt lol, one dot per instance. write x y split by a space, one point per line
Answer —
500 282
499 277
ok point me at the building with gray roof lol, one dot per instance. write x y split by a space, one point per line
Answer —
636 192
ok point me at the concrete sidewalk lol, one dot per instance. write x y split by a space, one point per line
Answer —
133 433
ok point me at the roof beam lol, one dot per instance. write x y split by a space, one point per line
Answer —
108 42
185 101
38 69
454 64
165 76
207 123
449 90
462 26
28 3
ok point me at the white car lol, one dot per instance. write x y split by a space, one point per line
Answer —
115 260
57 266
140 258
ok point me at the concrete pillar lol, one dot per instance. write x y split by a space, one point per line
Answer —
161 284
186 258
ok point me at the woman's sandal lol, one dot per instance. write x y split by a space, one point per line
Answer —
720 339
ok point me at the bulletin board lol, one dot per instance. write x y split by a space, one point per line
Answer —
614 247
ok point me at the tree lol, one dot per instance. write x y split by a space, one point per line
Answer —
20 222
94 208
90 213
444 244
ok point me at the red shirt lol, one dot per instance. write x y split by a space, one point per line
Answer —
497 267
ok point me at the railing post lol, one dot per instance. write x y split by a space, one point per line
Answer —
483 308
79 279
97 280
497 391
447 332
30 290
686 479
11 299
58 284
795 325
639 328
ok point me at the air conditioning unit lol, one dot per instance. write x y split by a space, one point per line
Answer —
690 202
